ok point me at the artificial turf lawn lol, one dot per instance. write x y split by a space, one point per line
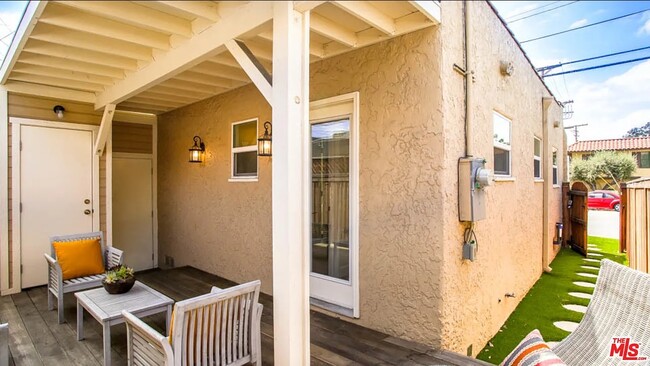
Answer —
543 304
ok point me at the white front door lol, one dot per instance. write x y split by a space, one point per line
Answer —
56 192
133 209
334 245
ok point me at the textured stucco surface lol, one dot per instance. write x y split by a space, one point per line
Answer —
225 228
413 283
510 238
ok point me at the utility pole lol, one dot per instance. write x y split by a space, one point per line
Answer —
575 129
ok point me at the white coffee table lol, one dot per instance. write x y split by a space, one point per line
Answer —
141 301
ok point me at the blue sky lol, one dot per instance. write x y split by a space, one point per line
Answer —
611 100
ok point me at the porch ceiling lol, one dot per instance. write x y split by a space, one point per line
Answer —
94 51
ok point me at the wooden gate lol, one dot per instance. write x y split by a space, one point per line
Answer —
635 223
576 220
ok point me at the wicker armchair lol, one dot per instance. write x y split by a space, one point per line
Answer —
619 308
57 287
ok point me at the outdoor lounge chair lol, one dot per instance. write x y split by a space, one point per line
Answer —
619 308
219 328
57 287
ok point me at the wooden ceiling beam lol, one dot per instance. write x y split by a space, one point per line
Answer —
154 102
315 49
91 42
303 6
430 9
369 14
61 73
65 17
210 80
171 91
79 66
200 9
194 51
178 97
192 87
54 81
223 71
78 54
332 30
45 91
135 15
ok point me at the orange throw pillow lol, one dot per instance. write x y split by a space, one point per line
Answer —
79 258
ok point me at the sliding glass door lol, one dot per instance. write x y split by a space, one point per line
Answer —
334 200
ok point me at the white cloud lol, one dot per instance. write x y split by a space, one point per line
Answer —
614 106
578 23
645 29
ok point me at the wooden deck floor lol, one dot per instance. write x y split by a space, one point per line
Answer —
36 338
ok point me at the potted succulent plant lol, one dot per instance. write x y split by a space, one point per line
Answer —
119 279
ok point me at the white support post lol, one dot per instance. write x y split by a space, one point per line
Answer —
4 192
104 129
252 67
291 217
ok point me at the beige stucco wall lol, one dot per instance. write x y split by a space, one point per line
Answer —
510 238
413 283
225 228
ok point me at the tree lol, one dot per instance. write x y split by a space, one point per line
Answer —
639 131
604 165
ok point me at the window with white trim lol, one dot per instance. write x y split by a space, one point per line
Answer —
537 158
244 150
502 131
556 177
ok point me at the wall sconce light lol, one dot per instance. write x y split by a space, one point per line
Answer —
264 142
58 110
197 151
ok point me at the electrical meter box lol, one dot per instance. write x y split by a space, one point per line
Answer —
472 180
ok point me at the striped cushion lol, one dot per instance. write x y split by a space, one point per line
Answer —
532 351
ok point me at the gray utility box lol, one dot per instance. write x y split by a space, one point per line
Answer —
472 180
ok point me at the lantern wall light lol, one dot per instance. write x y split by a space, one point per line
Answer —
264 142
197 151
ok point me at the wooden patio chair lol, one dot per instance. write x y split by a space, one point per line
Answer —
57 286
619 308
219 328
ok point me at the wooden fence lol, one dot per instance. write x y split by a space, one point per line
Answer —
635 222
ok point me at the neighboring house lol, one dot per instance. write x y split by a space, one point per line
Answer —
638 147
363 184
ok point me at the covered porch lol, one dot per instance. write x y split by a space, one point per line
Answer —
151 58
38 339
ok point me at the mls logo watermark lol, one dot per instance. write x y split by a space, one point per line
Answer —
626 349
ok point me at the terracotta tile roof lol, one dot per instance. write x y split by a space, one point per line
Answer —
631 143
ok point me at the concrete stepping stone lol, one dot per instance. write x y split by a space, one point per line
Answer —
590 275
573 307
590 267
591 260
594 255
581 295
566 325
584 284
595 249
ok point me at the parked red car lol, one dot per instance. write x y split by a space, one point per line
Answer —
604 200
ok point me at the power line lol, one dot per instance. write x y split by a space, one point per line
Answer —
560 64
599 66
542 12
533 9
584 26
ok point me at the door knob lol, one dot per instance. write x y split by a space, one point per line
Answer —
87 212
87 201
